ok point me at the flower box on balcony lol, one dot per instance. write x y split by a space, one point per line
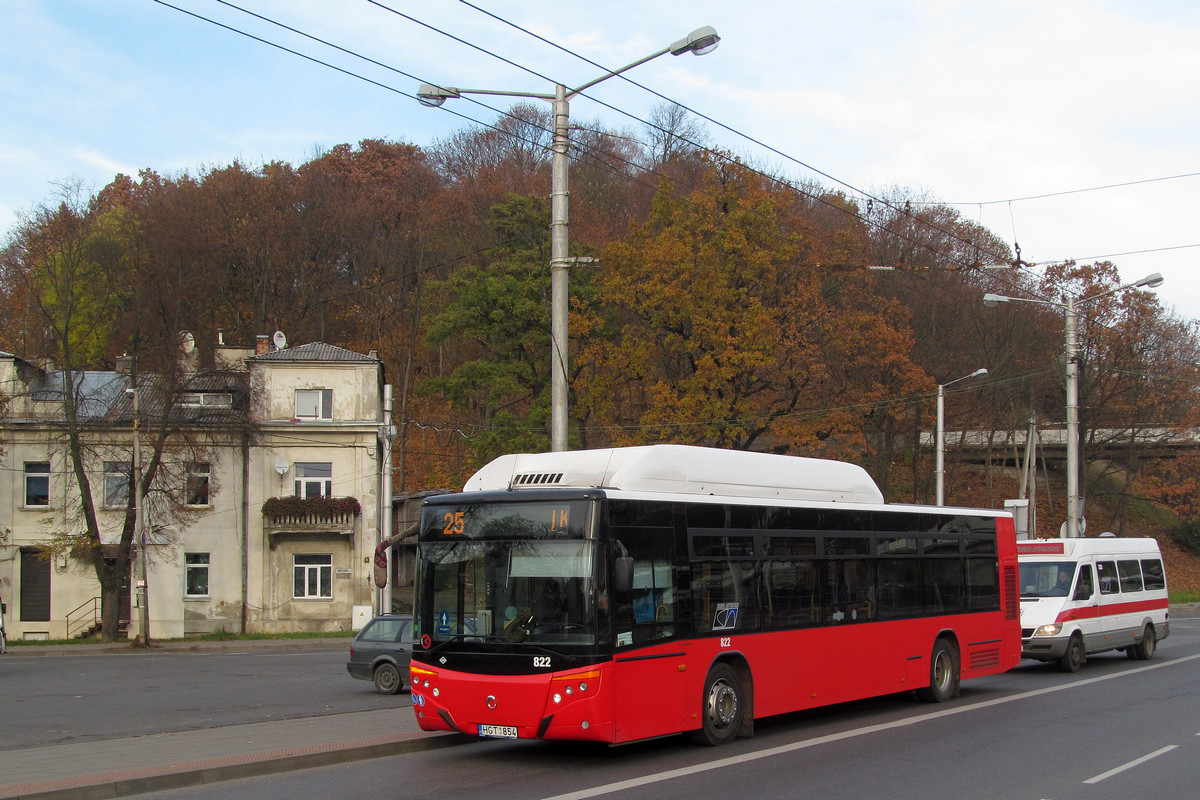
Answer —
310 510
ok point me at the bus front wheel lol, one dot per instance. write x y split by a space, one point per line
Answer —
723 707
944 676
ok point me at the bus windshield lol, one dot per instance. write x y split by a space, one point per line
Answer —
482 585
1047 578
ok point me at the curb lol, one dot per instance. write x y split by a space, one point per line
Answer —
196 773
223 645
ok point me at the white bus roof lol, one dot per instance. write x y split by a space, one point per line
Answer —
682 469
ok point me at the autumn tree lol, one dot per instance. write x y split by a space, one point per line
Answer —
81 266
723 335
495 317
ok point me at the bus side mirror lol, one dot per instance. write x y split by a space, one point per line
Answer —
623 574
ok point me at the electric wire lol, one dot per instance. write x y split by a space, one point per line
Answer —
510 133
790 185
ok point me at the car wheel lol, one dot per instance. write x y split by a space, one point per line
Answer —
387 679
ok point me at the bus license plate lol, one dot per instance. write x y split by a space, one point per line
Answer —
498 731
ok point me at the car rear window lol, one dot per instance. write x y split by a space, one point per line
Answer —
387 630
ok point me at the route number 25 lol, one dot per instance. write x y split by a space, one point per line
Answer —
452 522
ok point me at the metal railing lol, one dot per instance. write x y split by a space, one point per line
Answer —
84 620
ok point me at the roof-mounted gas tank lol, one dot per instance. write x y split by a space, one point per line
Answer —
682 469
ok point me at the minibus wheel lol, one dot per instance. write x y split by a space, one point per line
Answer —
1073 659
723 707
1144 650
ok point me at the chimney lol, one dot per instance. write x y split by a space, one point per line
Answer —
262 345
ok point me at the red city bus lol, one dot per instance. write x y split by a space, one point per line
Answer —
622 594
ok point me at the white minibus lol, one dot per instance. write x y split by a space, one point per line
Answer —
1081 596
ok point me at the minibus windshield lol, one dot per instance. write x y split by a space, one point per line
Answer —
1047 578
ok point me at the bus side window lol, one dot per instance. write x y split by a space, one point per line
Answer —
1106 574
1085 587
1152 569
1131 575
648 610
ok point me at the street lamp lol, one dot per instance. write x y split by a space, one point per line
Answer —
1069 306
941 435
699 42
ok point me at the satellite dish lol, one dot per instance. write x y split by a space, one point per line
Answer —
280 340
281 466
187 341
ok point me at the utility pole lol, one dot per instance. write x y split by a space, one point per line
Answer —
139 529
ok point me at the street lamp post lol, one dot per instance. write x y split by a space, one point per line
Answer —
699 42
1069 308
941 432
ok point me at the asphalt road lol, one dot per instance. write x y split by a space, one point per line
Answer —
76 698
1119 728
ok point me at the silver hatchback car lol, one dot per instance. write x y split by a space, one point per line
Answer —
381 652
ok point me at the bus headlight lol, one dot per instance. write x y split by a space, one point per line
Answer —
1049 630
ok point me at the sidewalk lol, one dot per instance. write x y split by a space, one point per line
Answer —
157 762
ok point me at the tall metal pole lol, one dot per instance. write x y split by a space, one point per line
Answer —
1073 531
388 435
559 219
940 471
139 531
1072 527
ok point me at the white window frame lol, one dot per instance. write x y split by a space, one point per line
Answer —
314 405
312 575
313 479
195 564
34 471
205 399
118 477
197 470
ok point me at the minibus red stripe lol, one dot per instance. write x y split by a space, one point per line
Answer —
1092 612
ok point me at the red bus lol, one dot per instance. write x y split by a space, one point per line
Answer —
629 593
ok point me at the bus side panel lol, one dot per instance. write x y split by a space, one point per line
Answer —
798 670
651 689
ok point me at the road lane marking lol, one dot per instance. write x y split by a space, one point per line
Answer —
645 780
1131 764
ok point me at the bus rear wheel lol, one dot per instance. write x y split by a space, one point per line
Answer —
723 707
944 676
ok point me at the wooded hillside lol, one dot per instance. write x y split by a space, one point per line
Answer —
730 307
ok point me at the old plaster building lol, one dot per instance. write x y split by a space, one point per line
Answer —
278 494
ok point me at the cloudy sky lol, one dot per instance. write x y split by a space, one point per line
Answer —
1071 127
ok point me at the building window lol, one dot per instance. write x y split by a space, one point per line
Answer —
198 476
314 404
37 483
195 574
312 577
206 399
116 484
314 479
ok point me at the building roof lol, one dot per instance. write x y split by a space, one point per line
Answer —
316 351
